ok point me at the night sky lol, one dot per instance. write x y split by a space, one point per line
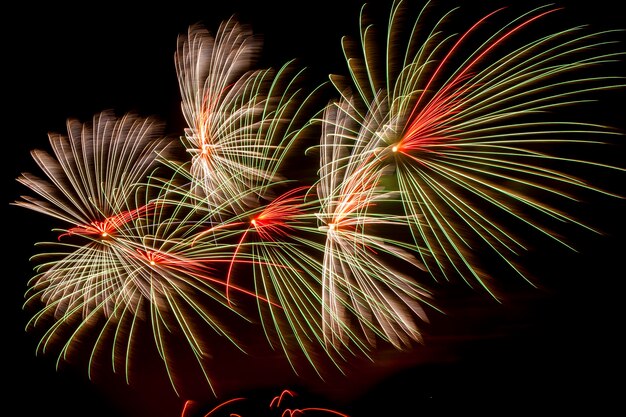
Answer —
552 347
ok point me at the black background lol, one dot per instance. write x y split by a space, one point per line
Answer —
557 346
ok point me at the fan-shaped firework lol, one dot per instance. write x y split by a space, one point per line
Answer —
127 261
94 172
92 179
358 285
240 121
470 127
242 127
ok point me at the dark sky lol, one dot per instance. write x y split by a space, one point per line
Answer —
553 346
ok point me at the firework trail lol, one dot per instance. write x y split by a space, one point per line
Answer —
478 154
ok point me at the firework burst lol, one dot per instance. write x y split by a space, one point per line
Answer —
95 171
360 289
470 128
241 121
92 179
441 153
126 261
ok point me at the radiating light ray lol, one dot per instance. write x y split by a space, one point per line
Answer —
468 130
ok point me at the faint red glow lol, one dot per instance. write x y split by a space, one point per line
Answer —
276 400
275 405
216 408
185 408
